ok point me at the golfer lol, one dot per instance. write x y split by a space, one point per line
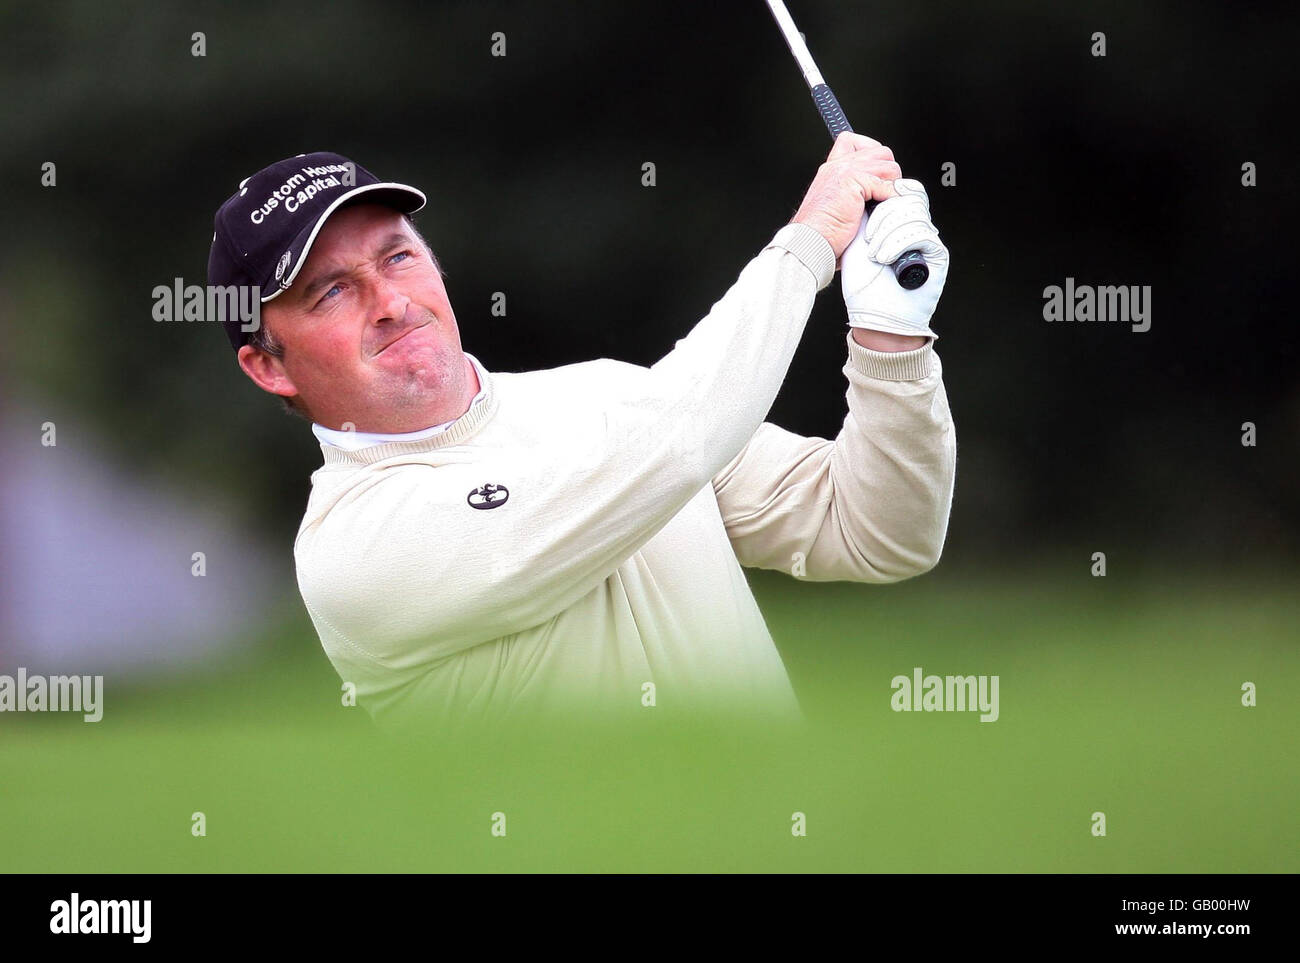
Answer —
489 544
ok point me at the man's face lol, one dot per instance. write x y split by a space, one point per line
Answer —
369 336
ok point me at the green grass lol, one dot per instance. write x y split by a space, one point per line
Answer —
1116 695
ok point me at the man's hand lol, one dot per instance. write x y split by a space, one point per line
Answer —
857 169
874 298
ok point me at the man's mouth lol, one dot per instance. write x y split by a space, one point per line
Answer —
399 338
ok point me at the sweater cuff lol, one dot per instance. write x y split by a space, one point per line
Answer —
892 365
807 244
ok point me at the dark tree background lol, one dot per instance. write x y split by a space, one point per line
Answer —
1122 169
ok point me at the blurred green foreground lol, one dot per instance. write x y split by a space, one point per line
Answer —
1116 695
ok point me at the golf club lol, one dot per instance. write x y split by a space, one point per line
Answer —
910 269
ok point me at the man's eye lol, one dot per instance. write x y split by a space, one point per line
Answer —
405 254
324 297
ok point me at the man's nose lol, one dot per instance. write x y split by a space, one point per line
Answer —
391 303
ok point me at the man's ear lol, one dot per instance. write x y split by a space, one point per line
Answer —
266 371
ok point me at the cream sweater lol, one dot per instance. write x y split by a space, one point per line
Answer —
605 573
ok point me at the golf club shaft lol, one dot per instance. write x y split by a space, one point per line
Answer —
910 269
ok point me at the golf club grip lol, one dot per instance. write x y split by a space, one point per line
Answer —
910 269
830 110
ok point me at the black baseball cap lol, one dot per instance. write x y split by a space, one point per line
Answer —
265 231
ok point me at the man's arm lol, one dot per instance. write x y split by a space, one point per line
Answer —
883 341
871 506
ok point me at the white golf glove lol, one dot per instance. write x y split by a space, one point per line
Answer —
872 294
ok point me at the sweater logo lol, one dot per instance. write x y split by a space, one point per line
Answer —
489 496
